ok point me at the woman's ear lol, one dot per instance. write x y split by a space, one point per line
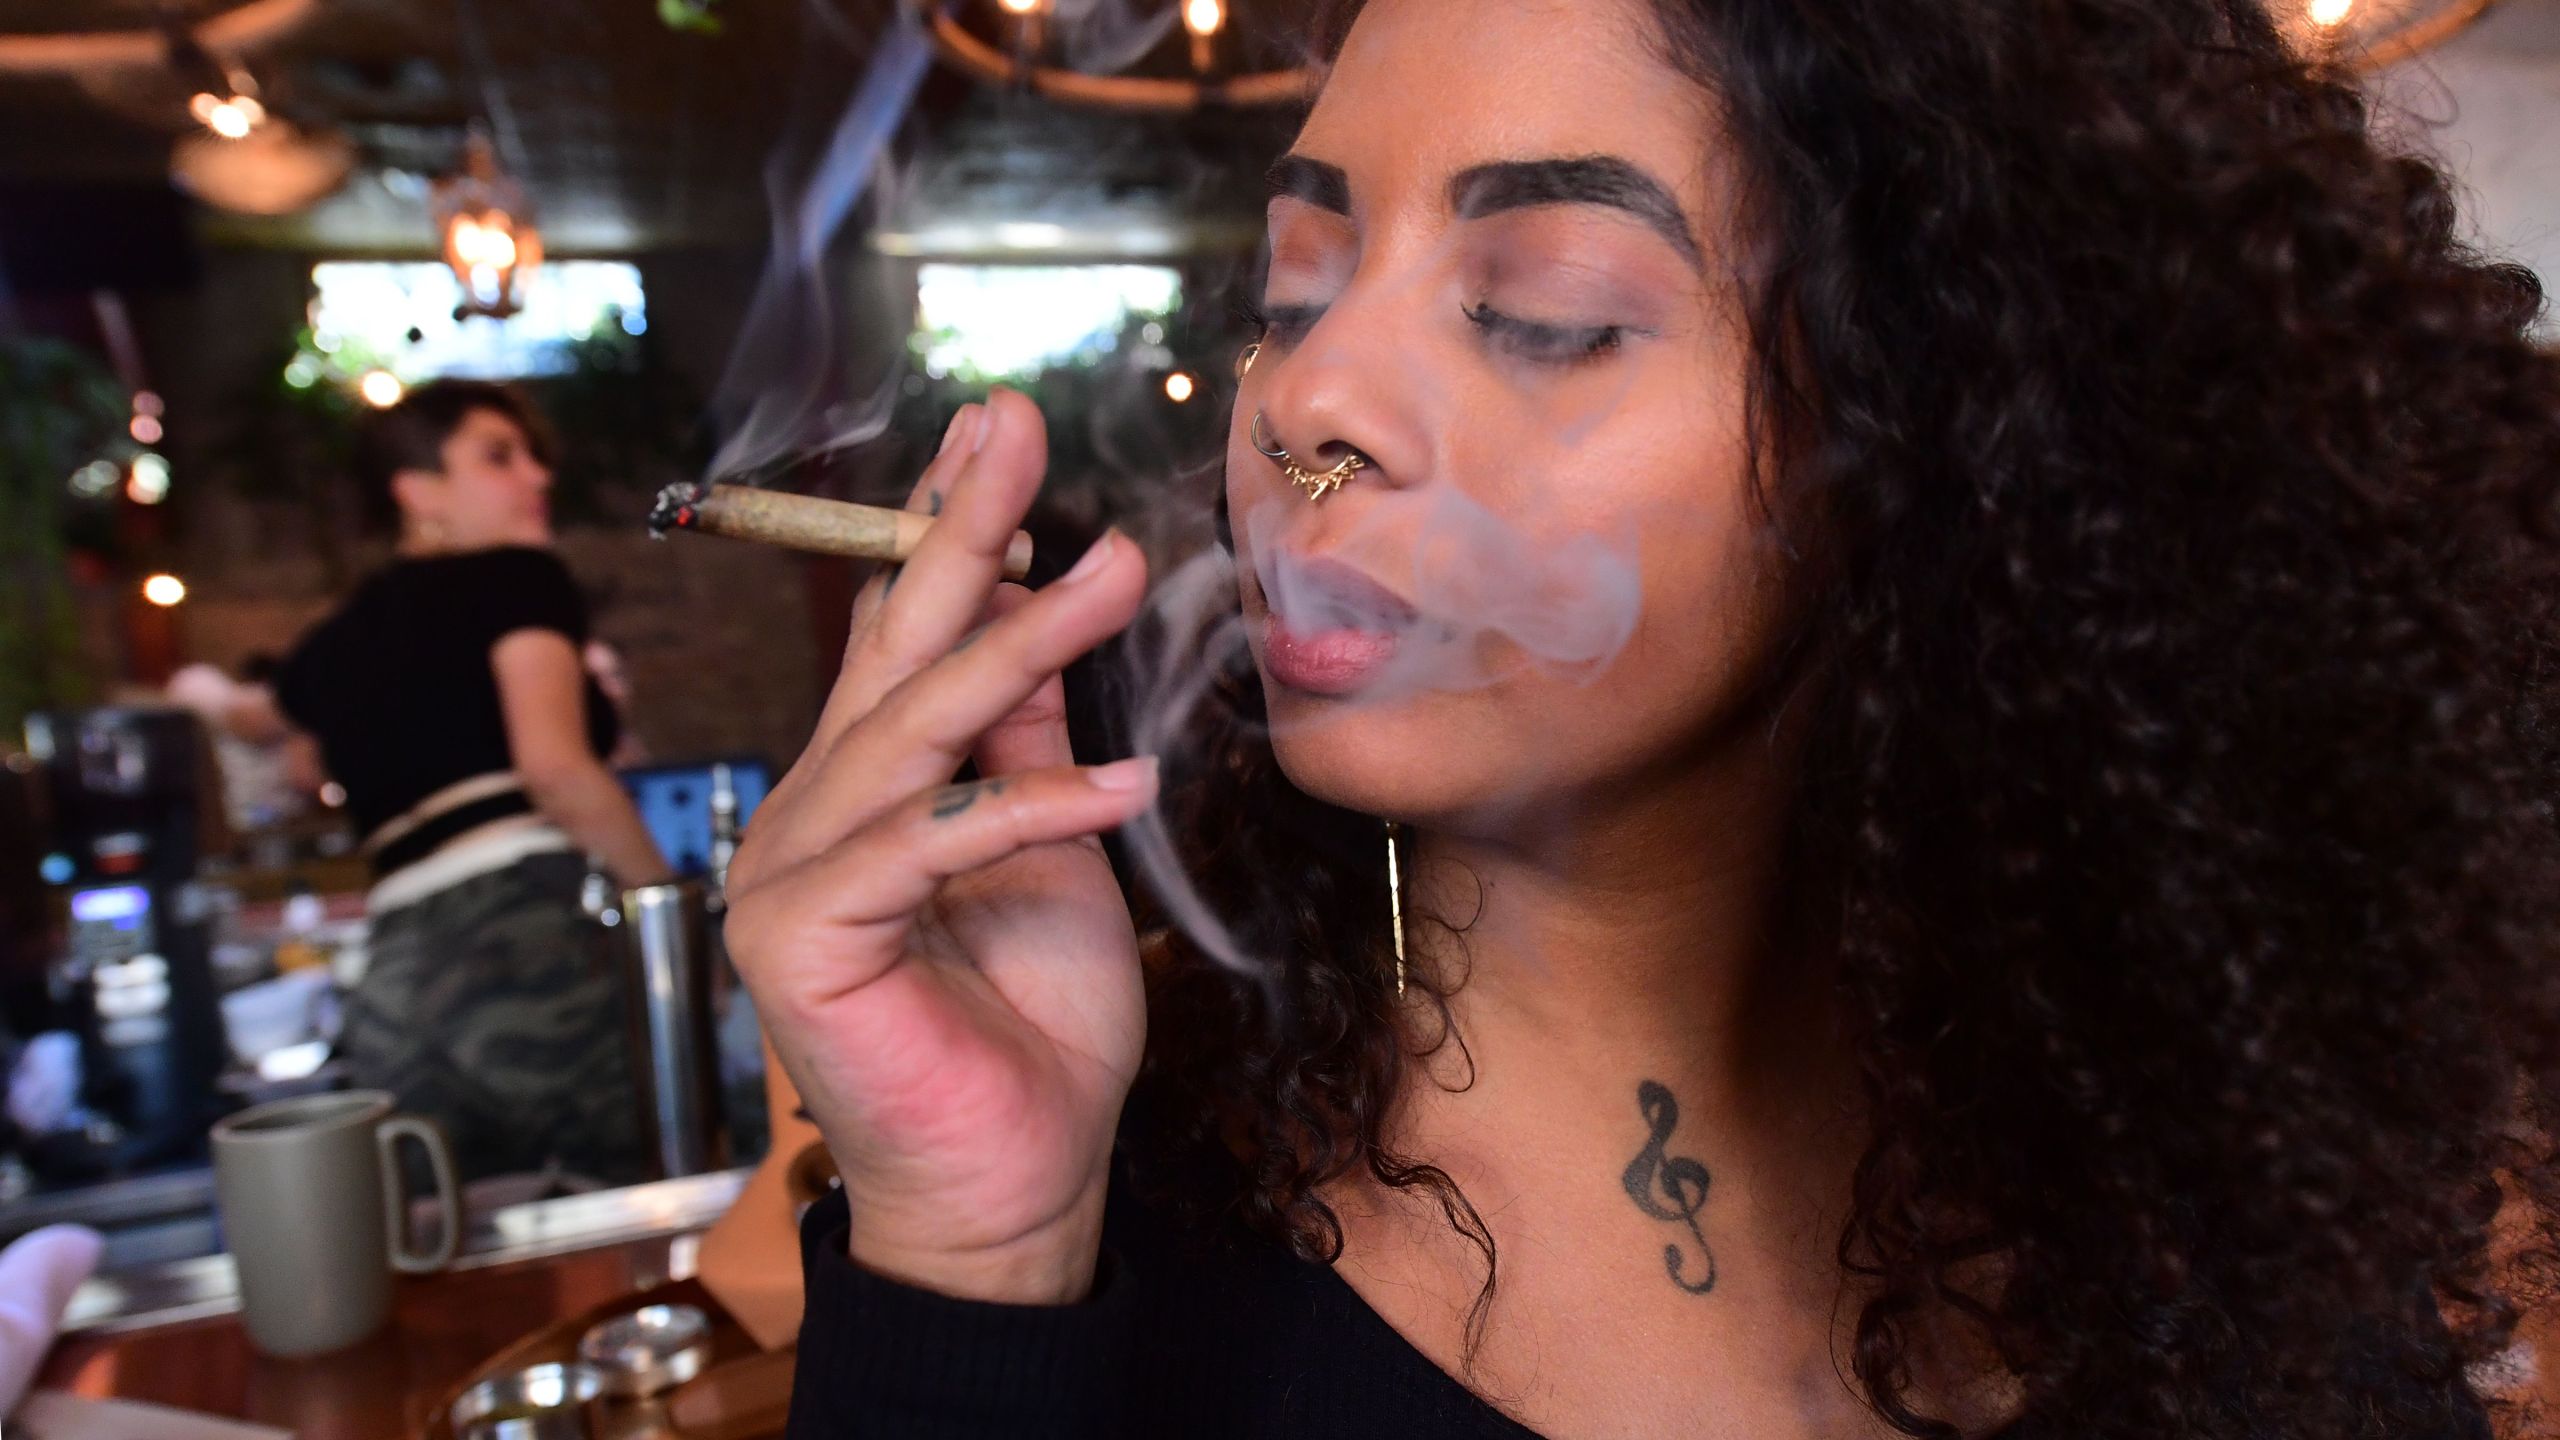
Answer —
420 494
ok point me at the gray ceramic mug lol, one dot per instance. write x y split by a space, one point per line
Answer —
313 1209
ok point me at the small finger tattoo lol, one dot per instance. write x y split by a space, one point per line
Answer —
959 800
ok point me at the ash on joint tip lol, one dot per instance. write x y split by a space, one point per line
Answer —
674 510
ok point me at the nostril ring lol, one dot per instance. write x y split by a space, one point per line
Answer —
1262 445
1317 483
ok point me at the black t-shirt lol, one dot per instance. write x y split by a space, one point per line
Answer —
1191 1335
397 687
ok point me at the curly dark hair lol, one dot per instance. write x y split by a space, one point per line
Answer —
2169 494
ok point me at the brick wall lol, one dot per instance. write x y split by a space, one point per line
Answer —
716 636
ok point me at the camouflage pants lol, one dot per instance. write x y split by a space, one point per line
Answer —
495 1008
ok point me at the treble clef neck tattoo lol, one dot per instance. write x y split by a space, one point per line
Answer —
1670 1188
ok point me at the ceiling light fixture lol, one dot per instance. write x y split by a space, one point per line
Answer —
2374 34
233 30
1204 18
233 113
1017 60
490 239
225 99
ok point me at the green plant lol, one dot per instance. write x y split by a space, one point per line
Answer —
59 410
689 15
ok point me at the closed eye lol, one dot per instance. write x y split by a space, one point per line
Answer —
1545 344
1286 324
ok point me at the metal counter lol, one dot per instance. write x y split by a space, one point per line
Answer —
204 1288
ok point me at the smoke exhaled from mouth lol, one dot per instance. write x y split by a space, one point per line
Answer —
1190 637
1488 601
1473 594
1487 597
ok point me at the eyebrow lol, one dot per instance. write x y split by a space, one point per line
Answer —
1486 190
1577 180
1296 177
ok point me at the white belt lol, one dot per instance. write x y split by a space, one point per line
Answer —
491 847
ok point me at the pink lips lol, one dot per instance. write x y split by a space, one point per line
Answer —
1328 662
1332 629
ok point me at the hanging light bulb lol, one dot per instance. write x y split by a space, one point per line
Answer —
1008 54
1204 18
2374 35
381 389
1030 23
226 97
490 240
230 116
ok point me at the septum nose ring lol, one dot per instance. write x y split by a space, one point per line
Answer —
1317 483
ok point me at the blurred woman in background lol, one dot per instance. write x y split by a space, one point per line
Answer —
450 698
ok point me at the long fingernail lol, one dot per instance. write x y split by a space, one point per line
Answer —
1135 774
986 424
960 423
1093 561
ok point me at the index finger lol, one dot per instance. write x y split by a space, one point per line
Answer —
940 594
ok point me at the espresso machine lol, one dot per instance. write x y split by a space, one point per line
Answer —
122 792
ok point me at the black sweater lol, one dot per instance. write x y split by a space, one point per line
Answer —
1205 1337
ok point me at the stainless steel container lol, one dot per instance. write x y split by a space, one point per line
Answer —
649 1351
666 941
547 1402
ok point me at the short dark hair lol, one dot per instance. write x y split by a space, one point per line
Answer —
411 434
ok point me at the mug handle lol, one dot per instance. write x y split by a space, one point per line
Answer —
395 1193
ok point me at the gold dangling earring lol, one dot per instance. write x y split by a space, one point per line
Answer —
1395 905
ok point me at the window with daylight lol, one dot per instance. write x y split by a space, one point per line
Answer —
398 316
985 323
